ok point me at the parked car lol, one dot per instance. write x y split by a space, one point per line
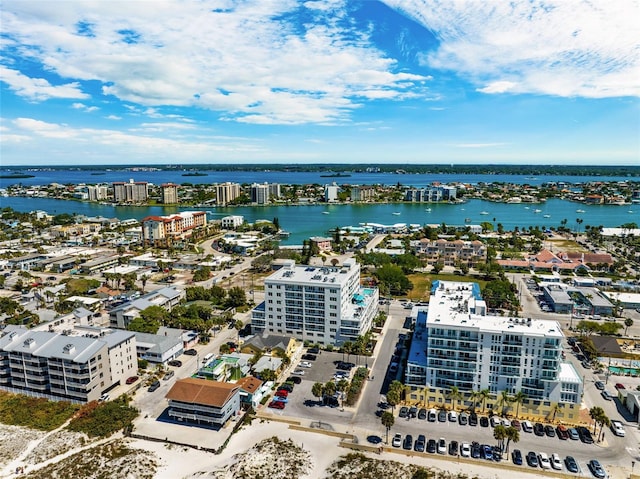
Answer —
431 446
516 425
617 428
154 385
473 419
413 411
497 453
585 435
420 444
556 463
532 459
453 448
294 379
453 416
607 395
484 421
527 426
422 413
495 420
620 386
305 364
572 465
309 357
299 372
277 404
549 431
168 375
442 415
404 412
314 350
282 393
465 449
516 457
286 387
596 468
176 363
397 440
407 444
487 452
463 419
432 416
544 461
538 429
442 446
562 432
599 385
191 352
573 434
131 379
104 397
475 450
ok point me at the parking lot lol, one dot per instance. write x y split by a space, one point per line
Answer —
442 426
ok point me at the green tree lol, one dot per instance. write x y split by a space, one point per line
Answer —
518 398
455 396
236 297
393 398
484 394
329 389
202 274
503 401
628 322
317 390
342 387
596 413
512 434
347 348
388 420
393 279
500 434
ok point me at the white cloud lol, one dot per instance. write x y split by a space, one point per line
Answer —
83 107
246 59
113 117
38 89
568 48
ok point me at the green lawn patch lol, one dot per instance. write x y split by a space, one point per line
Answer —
35 413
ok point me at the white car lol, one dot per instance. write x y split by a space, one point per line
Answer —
442 446
305 364
545 463
453 416
465 449
299 372
556 463
397 440
526 426
617 428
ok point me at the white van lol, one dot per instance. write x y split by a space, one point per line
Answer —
207 358
526 426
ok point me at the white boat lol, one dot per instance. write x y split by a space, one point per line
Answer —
428 210
325 212
630 211
546 216
484 212
526 207
537 211
579 211
395 213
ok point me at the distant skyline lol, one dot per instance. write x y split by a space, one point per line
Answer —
327 81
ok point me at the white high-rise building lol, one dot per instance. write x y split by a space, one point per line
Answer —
97 193
260 193
457 344
323 305
331 192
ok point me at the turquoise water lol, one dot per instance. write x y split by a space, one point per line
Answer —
619 370
304 221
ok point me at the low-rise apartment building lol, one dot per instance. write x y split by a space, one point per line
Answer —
167 298
203 402
163 231
77 366
453 252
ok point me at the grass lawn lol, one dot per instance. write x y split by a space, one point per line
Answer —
567 245
422 283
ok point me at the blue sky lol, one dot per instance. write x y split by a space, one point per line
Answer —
331 81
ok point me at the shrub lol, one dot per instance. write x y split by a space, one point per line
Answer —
103 419
36 413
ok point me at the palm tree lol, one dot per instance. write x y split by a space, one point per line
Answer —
454 395
317 390
484 394
473 397
329 389
425 391
596 413
388 419
347 347
143 279
503 401
393 397
499 434
604 421
628 322
342 386
512 435
518 398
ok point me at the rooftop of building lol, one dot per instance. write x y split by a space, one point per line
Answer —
202 391
310 275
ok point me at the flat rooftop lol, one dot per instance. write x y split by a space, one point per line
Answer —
450 306
313 275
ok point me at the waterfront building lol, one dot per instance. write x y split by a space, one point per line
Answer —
131 192
163 231
226 192
76 366
362 193
431 194
231 222
323 305
169 193
202 401
323 244
457 344
260 193
331 193
97 193
451 253
274 190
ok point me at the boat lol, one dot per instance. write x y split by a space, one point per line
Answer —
526 207
325 212
546 216
579 211
336 175
484 212
630 211
396 213
195 173
428 210
467 220
537 211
